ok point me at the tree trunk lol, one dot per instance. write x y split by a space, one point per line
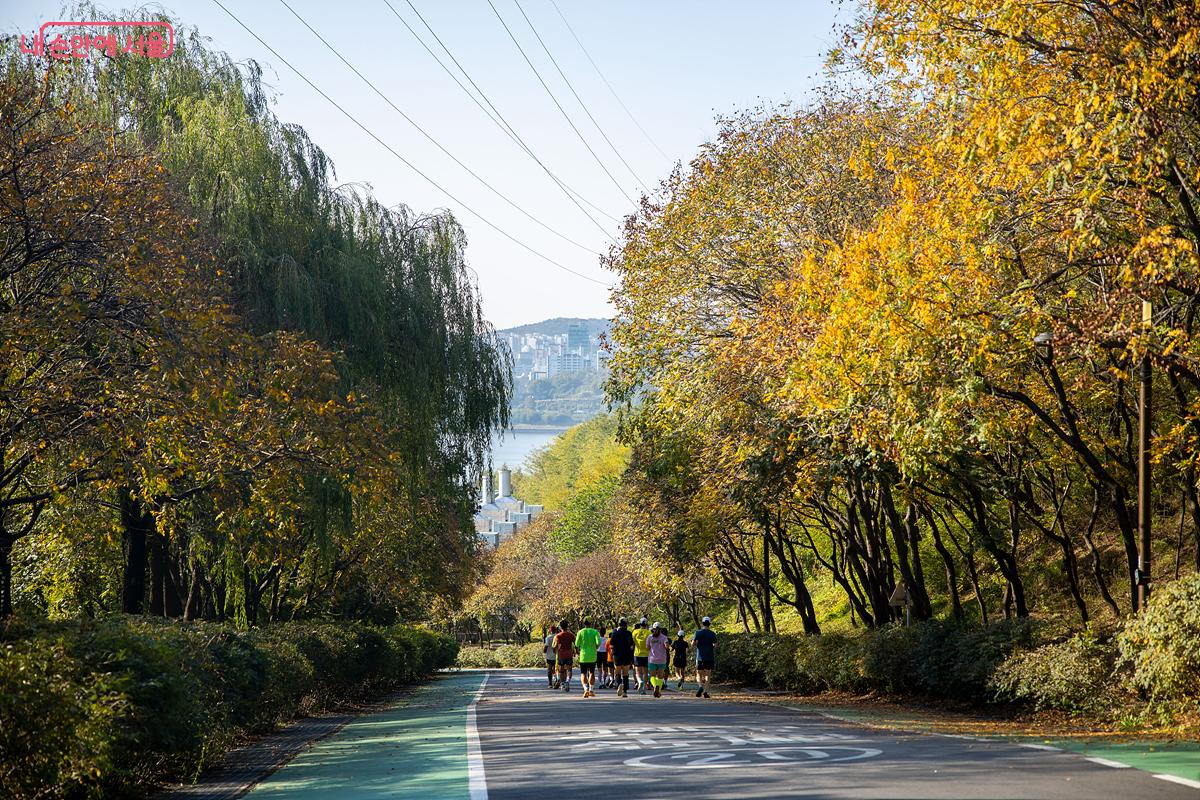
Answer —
157 545
767 616
956 609
136 524
906 536
193 606
6 544
173 587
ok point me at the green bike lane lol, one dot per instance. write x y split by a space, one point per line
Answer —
416 748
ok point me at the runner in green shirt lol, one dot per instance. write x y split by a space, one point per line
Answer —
587 642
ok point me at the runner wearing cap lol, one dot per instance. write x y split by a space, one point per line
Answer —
641 656
679 649
620 648
658 645
705 642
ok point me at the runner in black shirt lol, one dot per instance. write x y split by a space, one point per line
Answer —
620 643
679 649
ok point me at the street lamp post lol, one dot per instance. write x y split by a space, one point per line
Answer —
1145 399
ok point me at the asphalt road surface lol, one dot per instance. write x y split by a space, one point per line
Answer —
503 735
538 743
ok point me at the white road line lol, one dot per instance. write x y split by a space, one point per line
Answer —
1104 762
1177 779
477 782
1045 747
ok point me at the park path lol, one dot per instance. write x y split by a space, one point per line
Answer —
502 735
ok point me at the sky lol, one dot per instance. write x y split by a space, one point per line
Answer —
675 64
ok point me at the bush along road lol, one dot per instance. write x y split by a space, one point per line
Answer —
114 707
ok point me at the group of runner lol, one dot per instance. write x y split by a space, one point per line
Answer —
648 650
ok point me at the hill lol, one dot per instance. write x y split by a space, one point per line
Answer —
558 326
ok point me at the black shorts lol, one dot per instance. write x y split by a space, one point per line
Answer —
679 663
622 660
564 662
642 661
705 665
587 667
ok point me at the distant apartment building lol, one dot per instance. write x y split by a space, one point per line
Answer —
537 356
571 362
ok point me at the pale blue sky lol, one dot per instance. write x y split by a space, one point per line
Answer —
676 64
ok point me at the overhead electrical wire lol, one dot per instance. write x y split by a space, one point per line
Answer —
579 99
558 105
433 140
496 117
402 159
616 96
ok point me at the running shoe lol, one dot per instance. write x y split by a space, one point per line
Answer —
620 691
657 692
706 694
699 693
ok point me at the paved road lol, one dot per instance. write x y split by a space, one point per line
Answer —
535 743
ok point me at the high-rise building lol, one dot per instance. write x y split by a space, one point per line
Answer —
578 340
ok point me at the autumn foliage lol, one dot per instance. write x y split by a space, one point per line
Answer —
893 339
232 390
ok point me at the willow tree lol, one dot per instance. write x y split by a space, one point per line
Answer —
385 292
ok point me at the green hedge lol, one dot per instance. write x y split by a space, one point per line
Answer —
943 659
108 708
526 655
1155 655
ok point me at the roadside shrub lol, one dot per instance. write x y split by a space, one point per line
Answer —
955 660
950 660
478 658
525 655
54 726
1072 675
109 708
833 661
1161 645
889 659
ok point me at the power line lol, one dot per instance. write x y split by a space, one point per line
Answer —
496 117
435 142
616 96
579 99
558 105
404 160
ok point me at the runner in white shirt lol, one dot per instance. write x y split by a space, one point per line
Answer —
602 661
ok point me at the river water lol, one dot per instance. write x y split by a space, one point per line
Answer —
514 446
